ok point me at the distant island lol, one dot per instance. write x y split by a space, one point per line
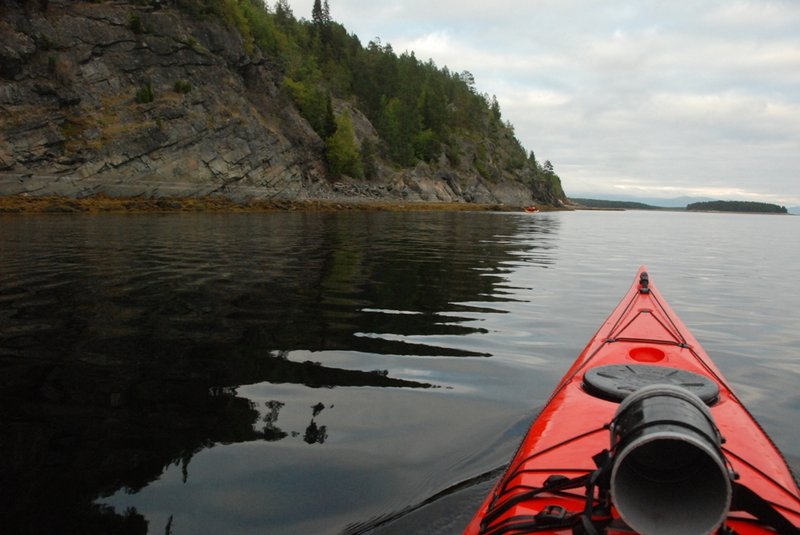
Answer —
600 204
699 206
737 206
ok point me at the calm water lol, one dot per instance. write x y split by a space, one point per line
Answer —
339 372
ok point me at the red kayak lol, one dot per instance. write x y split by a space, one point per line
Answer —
643 435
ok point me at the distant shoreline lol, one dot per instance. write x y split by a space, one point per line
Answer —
734 212
25 204
723 207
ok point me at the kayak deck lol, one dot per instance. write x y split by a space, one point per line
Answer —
642 341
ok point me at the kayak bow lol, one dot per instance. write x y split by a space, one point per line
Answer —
643 435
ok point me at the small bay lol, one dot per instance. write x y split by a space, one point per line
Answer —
340 372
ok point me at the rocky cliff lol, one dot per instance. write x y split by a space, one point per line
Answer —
125 99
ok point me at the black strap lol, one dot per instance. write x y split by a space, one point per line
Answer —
553 484
531 524
581 523
748 501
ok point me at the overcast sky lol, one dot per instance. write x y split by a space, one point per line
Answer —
648 98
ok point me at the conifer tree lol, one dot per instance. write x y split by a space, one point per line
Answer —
316 13
398 126
321 13
329 123
283 11
495 107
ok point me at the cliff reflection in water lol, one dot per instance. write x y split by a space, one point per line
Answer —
123 339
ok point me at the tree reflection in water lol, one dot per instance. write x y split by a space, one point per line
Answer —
61 453
123 340
316 434
271 431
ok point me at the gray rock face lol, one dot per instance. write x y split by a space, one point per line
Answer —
124 100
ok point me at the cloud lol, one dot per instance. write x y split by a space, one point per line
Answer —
653 95
765 15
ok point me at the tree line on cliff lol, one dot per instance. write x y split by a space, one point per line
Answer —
422 113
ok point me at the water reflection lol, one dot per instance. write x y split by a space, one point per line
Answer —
314 434
123 339
271 430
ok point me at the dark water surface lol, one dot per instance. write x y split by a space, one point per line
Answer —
329 372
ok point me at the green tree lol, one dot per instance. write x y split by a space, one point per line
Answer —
315 105
321 13
495 107
329 124
326 12
426 146
432 107
316 13
262 26
398 126
283 12
344 156
468 79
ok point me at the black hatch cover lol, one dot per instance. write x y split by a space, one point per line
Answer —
614 382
